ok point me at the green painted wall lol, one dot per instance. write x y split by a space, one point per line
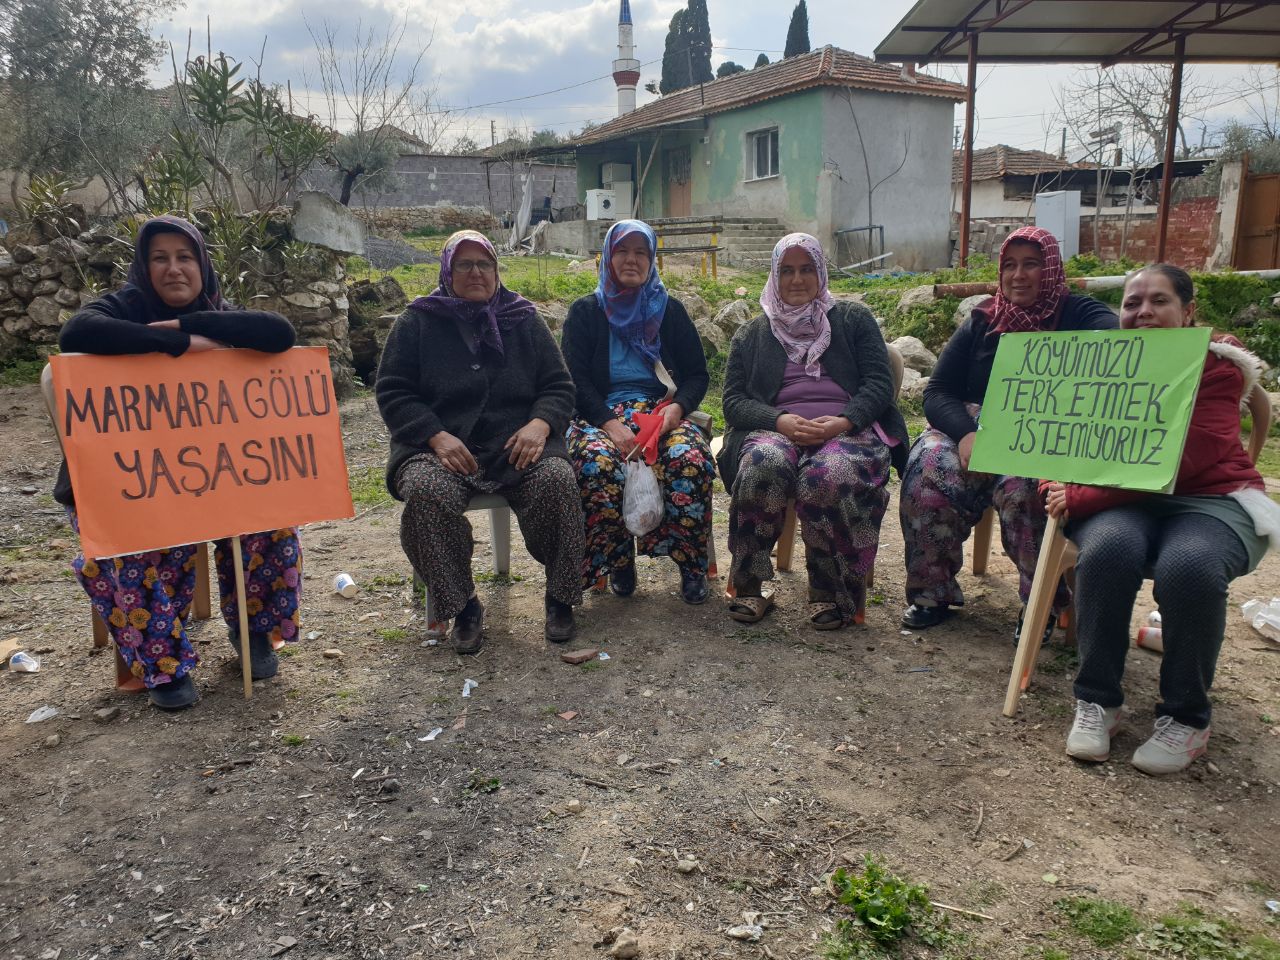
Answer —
588 165
799 119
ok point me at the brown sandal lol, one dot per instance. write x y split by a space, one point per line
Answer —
820 618
750 609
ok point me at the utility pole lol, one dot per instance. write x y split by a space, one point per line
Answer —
493 133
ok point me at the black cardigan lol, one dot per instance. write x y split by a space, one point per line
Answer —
857 360
964 368
585 342
107 327
429 381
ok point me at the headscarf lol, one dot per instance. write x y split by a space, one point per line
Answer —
803 331
635 313
139 278
1043 314
481 324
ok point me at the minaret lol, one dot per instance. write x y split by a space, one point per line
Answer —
626 69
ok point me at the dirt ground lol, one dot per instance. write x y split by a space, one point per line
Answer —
314 820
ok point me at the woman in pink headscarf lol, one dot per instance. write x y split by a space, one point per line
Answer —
810 416
941 500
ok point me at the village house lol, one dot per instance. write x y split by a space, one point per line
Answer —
830 143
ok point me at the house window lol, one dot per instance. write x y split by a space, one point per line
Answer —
764 153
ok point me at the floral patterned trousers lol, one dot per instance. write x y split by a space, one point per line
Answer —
144 597
841 495
685 470
942 502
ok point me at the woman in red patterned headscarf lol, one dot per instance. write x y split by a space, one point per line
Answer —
941 500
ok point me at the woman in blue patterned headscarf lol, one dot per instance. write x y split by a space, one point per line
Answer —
630 347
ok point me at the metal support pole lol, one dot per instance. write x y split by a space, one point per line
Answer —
1171 136
967 188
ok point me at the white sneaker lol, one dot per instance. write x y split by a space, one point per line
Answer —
1171 748
1090 736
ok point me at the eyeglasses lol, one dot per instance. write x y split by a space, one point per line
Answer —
485 267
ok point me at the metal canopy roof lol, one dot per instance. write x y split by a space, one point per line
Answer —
1085 31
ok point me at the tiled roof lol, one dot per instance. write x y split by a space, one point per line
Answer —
993 163
827 67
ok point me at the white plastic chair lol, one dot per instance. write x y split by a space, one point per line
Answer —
499 533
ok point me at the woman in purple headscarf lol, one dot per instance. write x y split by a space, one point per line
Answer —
477 399
810 416
171 304
630 347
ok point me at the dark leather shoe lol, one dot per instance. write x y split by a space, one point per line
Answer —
622 583
693 587
1048 628
263 662
178 695
916 617
560 627
467 634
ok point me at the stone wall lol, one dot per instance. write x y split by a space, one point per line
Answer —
398 220
44 280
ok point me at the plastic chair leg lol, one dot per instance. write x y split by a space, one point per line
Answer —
435 628
500 529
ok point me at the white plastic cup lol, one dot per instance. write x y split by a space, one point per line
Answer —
1153 618
345 586
1150 638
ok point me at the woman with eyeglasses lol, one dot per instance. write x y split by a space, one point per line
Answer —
630 348
477 399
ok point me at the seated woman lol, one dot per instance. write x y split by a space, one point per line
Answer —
171 304
809 415
629 346
1213 528
941 500
477 398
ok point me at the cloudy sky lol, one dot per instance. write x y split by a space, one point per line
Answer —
534 64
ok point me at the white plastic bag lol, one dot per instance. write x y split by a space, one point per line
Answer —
641 499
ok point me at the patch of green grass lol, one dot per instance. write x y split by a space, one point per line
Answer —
292 739
346 694
1267 718
1064 661
369 487
591 665
393 634
479 783
886 913
18 373
1104 922
1053 953
550 710
501 579
1191 933
287 652
388 580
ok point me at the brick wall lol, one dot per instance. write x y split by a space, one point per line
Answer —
1193 228
1193 231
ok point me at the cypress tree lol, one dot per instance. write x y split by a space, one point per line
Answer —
762 61
798 32
697 30
675 65
729 68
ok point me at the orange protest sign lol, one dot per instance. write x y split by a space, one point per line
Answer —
172 450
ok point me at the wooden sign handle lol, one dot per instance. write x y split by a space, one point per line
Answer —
246 664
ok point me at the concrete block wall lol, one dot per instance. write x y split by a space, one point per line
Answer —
461 182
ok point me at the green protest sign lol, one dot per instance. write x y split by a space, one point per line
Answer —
1103 407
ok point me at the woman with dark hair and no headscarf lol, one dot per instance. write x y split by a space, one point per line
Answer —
630 346
172 304
810 415
477 399
941 500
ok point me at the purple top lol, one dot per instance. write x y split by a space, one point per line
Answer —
807 397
